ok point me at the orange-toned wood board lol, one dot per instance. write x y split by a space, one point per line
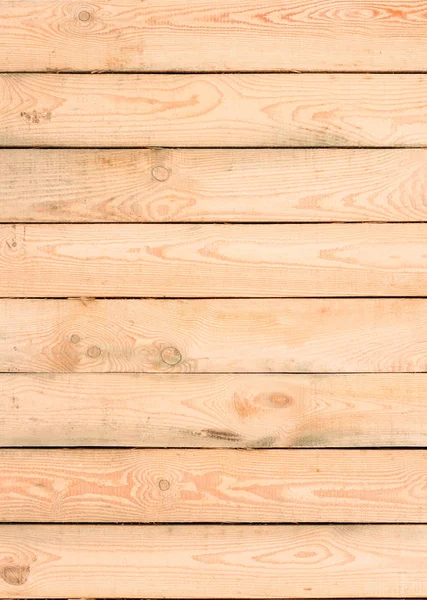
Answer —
212 35
240 185
213 486
264 335
204 110
187 260
213 561
213 411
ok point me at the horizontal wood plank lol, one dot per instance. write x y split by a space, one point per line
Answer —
230 110
180 410
213 185
209 35
225 486
273 335
171 260
213 561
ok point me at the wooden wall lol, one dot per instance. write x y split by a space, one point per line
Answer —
213 299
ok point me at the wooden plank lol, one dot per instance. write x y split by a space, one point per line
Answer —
273 335
225 486
213 185
170 260
179 410
213 561
209 35
234 110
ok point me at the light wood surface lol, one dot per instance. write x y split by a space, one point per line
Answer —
213 561
213 35
171 260
228 110
179 410
225 486
213 299
273 335
213 185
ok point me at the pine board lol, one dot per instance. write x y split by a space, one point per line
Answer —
213 411
213 561
243 335
219 110
235 185
225 486
213 35
171 260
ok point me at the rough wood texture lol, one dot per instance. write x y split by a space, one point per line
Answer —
267 394
213 110
169 260
179 410
213 561
213 185
225 486
209 35
300 335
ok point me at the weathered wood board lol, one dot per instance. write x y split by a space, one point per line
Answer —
202 185
241 335
213 411
205 110
213 35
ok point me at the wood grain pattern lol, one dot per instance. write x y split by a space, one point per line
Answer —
213 185
226 486
101 143
205 561
300 335
246 411
170 260
213 110
209 35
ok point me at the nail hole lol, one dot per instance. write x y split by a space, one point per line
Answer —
160 173
171 356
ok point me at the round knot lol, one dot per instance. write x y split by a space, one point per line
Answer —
84 15
164 485
75 339
160 173
15 574
94 352
171 356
